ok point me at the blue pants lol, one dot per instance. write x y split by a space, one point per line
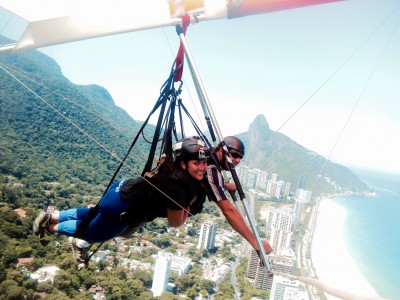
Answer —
105 225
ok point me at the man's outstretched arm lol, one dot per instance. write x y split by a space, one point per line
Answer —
235 219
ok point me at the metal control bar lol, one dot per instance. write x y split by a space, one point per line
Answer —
209 113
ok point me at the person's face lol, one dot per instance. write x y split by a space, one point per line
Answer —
236 157
195 168
219 154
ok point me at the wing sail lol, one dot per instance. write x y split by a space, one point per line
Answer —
243 8
51 22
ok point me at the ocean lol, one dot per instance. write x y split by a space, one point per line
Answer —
372 231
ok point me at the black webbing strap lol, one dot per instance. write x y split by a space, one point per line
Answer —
180 117
161 101
196 127
156 136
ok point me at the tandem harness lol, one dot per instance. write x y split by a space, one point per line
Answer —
165 129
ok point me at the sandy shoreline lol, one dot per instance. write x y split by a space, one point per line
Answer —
331 260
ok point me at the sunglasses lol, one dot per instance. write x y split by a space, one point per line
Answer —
235 154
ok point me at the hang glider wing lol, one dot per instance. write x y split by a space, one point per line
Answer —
51 22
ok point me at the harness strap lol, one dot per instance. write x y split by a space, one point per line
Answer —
196 127
157 131
181 51
160 101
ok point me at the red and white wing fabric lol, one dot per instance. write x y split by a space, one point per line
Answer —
243 8
51 22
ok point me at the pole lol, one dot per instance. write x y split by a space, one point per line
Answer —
208 111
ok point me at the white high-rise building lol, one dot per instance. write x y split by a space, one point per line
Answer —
252 178
303 195
286 289
298 209
271 185
279 189
261 179
281 229
207 236
286 193
161 273
180 264
274 177
271 218
262 279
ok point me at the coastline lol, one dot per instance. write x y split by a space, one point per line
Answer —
331 261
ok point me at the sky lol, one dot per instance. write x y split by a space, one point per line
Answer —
327 76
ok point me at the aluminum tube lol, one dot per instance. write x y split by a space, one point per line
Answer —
208 110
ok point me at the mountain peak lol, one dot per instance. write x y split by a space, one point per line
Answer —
260 122
259 128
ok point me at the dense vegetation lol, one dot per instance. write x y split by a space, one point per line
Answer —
57 132
73 283
58 143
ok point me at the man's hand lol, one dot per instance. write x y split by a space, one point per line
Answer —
231 187
267 247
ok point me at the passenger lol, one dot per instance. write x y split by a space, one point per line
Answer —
132 203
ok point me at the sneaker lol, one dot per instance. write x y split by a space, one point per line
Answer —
40 223
44 241
48 233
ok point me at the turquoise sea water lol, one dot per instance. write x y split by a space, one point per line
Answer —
372 232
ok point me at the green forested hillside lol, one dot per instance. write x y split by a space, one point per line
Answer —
53 131
56 140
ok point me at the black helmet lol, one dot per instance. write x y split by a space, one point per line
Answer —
233 143
190 149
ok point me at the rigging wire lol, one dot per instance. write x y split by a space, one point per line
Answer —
60 113
90 137
6 24
359 99
338 68
347 121
312 281
332 75
87 109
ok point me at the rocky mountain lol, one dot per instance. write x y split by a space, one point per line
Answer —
274 152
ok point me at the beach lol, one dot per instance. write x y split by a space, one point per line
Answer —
330 258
